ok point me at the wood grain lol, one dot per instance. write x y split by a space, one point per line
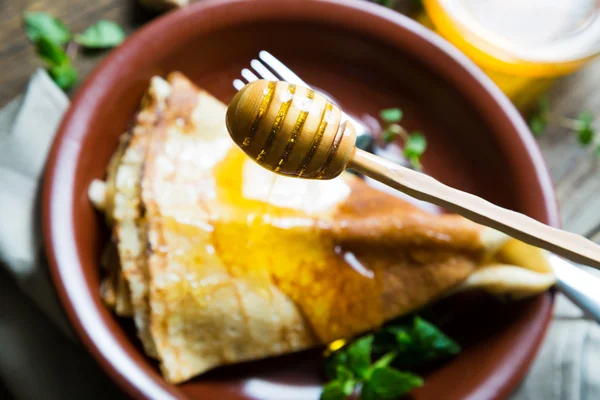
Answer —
574 170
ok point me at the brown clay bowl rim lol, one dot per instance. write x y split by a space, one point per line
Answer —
380 23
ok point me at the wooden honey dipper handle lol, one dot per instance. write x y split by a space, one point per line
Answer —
295 131
566 244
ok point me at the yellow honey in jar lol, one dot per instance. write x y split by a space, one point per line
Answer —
523 45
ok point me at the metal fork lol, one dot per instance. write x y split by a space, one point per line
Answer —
270 68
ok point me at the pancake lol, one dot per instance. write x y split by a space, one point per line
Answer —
125 213
242 264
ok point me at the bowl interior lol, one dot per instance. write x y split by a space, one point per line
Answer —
473 145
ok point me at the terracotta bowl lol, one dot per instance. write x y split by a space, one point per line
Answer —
368 58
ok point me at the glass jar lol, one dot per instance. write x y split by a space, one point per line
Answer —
523 45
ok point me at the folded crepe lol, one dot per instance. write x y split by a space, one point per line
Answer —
220 261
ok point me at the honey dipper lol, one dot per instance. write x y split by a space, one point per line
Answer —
295 131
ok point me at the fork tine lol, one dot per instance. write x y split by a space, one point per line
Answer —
284 72
263 71
238 84
249 75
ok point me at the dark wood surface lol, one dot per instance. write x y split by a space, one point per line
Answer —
574 170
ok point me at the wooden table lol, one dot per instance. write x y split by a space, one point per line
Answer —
574 170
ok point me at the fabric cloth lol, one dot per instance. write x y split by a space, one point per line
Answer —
39 355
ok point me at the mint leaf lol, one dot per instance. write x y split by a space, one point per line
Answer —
64 75
368 393
585 131
586 119
585 136
337 358
103 34
391 115
407 345
422 343
343 374
60 68
50 52
537 124
389 383
41 24
430 336
334 390
385 360
359 355
539 119
348 387
415 146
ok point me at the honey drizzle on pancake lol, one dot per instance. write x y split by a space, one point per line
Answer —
284 242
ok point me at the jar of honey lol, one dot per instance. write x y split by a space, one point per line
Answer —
523 45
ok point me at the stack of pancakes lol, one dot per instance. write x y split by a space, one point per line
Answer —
219 261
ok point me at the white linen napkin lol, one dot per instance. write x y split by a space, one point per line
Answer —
40 359
39 355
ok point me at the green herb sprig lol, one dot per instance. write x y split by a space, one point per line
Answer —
377 364
582 126
54 43
415 142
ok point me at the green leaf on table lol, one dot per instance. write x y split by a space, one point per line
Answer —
64 75
59 66
585 119
389 383
585 131
538 120
41 24
391 115
103 34
537 124
359 355
50 52
585 136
